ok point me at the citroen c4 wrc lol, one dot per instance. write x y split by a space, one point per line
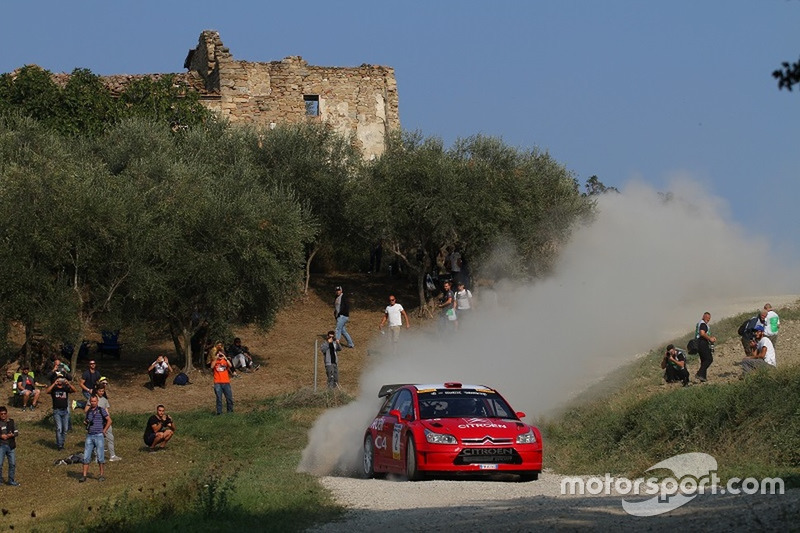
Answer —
448 429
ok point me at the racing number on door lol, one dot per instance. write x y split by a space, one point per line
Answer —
398 428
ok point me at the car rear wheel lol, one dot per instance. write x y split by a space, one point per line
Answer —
412 472
369 457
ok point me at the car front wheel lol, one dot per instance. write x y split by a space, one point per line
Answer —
412 472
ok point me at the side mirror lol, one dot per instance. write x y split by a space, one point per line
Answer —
395 413
520 415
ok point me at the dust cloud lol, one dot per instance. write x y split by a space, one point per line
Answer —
644 271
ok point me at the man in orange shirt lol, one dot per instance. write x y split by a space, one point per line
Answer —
223 368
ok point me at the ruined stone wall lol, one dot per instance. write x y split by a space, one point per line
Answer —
359 101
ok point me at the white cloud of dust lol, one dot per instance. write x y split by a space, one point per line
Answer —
643 272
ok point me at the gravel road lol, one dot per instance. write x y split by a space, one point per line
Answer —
503 505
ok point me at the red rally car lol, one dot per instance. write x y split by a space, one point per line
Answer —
449 428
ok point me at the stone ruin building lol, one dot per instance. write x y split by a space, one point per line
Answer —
359 101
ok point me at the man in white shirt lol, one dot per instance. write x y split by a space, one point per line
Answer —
771 324
763 354
394 314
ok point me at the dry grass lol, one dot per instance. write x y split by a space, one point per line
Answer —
287 358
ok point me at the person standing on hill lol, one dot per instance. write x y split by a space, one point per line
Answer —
772 323
89 380
705 342
223 368
446 307
8 445
394 314
341 312
463 304
59 390
330 351
97 423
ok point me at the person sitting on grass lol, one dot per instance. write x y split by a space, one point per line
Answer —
26 387
160 428
240 356
159 371
762 355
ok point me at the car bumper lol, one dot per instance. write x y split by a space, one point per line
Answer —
453 459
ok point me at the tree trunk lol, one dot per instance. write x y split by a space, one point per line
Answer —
176 341
26 348
187 339
423 302
314 251
77 345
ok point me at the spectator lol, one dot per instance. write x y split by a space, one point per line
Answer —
102 401
59 367
395 315
674 365
97 423
59 390
705 346
463 304
341 312
762 356
329 350
446 307
159 371
213 351
223 368
26 388
89 380
747 331
160 428
772 323
8 445
240 356
453 264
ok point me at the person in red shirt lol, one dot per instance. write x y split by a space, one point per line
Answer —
223 368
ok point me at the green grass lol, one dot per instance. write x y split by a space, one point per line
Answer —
624 426
241 475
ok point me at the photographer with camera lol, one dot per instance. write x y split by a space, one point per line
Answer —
674 365
59 390
159 371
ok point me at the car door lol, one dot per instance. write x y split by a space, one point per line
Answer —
389 446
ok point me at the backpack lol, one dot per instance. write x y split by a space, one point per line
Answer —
742 328
691 347
181 379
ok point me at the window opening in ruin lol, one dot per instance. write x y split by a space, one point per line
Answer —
312 105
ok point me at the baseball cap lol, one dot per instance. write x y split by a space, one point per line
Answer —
758 328
338 288
103 379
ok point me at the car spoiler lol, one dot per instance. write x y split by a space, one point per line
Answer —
386 390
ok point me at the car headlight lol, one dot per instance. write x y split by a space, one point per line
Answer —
439 438
526 438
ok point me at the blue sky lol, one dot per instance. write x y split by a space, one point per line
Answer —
626 90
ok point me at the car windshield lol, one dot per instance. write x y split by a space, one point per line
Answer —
448 403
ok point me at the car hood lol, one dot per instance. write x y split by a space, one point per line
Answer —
476 427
